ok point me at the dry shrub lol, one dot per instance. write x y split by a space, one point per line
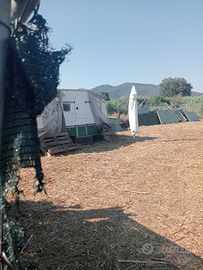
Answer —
114 115
124 120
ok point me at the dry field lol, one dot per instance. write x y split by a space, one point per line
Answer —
120 204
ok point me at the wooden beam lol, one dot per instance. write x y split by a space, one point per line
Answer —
60 150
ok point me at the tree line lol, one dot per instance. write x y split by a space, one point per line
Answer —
171 89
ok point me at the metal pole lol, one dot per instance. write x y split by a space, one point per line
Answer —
4 35
5 9
18 7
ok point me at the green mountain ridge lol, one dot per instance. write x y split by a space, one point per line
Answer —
115 92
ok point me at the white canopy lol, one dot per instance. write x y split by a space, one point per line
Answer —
133 111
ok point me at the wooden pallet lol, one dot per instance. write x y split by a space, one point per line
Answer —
54 143
108 132
181 116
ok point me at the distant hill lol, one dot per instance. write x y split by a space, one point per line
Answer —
115 92
196 94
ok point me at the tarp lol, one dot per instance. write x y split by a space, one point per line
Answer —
143 110
98 108
133 111
52 117
116 121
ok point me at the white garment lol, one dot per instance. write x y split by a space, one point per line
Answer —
133 111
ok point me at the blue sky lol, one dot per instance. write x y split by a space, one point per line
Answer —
118 41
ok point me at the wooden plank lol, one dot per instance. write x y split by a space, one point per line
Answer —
51 135
180 116
158 116
43 149
57 140
54 143
59 150
49 144
108 131
56 137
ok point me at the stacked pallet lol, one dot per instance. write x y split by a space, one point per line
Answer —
108 131
53 143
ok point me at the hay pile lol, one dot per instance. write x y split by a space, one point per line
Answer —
120 204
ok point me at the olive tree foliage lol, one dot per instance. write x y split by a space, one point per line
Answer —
120 105
157 100
170 87
106 95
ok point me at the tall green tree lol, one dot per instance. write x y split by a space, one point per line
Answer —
119 105
106 95
170 87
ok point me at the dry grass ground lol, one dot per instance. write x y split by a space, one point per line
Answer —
120 204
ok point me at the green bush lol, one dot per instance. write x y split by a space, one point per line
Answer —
157 100
189 103
193 104
178 99
119 105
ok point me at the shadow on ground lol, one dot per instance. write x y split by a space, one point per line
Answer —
114 143
72 238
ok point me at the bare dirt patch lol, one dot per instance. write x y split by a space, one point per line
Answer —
120 204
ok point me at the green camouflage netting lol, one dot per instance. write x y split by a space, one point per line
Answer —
31 83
